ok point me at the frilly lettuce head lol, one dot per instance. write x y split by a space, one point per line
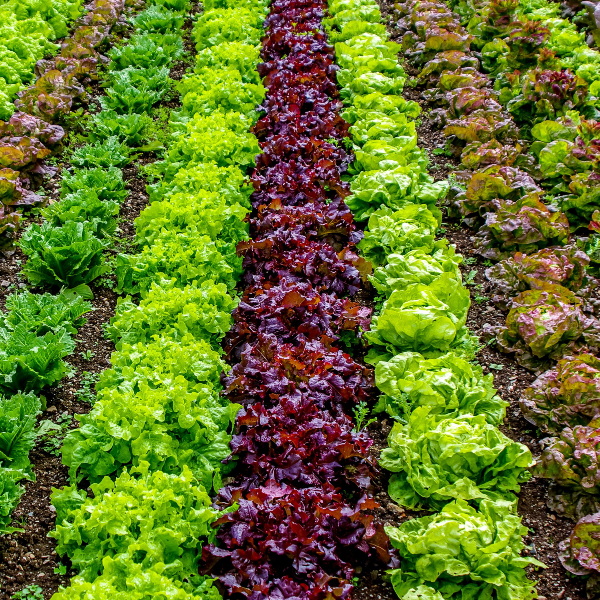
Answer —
449 386
435 461
462 553
163 518
572 462
565 266
424 318
546 323
565 396
410 227
416 266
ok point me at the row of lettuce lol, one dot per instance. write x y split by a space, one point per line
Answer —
30 132
152 446
446 452
37 330
28 31
66 252
517 94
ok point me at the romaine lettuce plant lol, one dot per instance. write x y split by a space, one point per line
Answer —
69 256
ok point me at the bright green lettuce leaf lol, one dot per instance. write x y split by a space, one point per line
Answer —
41 313
208 213
412 226
85 206
228 25
449 386
435 460
109 153
231 55
128 129
186 256
107 183
171 426
158 361
153 518
200 309
416 266
69 255
395 188
147 51
464 553
18 415
222 90
423 318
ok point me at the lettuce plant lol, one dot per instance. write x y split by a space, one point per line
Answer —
546 323
164 517
211 90
70 255
202 310
548 95
524 226
84 206
423 318
129 129
462 552
157 19
416 266
146 51
157 361
435 461
580 553
394 188
126 579
565 396
110 153
491 183
18 416
232 24
106 183
136 90
449 386
185 256
571 462
401 231
564 266
170 426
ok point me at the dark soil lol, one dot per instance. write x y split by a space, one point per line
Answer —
29 557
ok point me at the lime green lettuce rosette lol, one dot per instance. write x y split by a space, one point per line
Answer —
463 553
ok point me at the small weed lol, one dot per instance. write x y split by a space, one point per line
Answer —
496 367
360 414
470 260
487 262
51 434
29 592
470 278
86 392
445 151
60 570
87 355
479 299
